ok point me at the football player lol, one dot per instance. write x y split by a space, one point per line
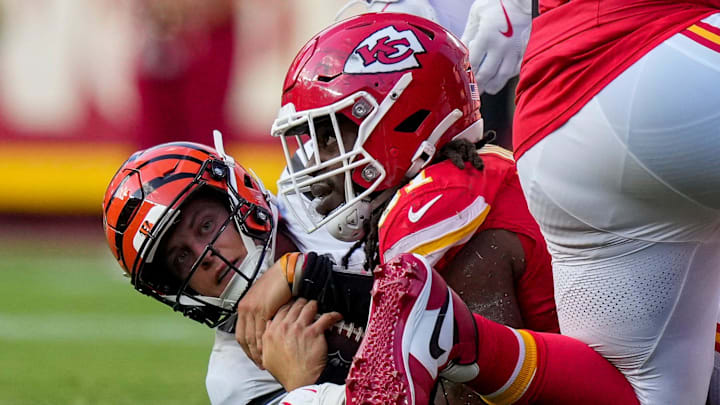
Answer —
193 229
380 96
567 218
183 220
616 135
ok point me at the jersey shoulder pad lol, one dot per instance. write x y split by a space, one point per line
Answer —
437 210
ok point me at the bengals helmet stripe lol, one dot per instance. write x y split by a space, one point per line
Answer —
130 207
156 159
171 156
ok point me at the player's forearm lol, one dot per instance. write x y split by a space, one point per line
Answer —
311 276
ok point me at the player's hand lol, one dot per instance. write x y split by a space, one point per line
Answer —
496 34
267 294
295 349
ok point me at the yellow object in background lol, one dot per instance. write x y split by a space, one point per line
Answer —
71 177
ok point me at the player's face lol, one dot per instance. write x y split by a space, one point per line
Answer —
200 221
330 192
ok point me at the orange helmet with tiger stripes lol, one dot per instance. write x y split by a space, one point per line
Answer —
144 200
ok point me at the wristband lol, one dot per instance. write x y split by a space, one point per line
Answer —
291 265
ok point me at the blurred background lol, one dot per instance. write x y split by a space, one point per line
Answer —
83 83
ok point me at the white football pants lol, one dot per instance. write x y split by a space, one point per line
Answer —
627 194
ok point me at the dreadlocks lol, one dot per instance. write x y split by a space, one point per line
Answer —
458 152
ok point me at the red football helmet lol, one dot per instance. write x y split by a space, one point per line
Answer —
143 201
404 80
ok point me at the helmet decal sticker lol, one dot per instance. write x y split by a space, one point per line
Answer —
474 92
150 221
384 51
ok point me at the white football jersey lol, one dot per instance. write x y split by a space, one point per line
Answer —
232 378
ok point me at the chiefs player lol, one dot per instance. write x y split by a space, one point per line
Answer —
585 60
631 215
380 96
616 135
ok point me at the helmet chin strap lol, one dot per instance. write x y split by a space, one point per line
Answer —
351 226
426 150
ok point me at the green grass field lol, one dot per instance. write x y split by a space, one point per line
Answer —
73 331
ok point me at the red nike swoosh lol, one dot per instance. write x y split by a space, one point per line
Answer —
509 31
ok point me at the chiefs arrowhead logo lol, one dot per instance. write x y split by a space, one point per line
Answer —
386 50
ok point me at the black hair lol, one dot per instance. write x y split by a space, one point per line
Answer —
459 152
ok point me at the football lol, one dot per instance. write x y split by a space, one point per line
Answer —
343 340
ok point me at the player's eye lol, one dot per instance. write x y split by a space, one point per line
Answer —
207 226
182 257
180 262
326 138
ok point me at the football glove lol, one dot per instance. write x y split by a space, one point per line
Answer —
496 34
311 276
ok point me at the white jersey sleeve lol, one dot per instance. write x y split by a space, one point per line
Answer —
232 378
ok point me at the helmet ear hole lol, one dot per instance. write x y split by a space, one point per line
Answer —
413 122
